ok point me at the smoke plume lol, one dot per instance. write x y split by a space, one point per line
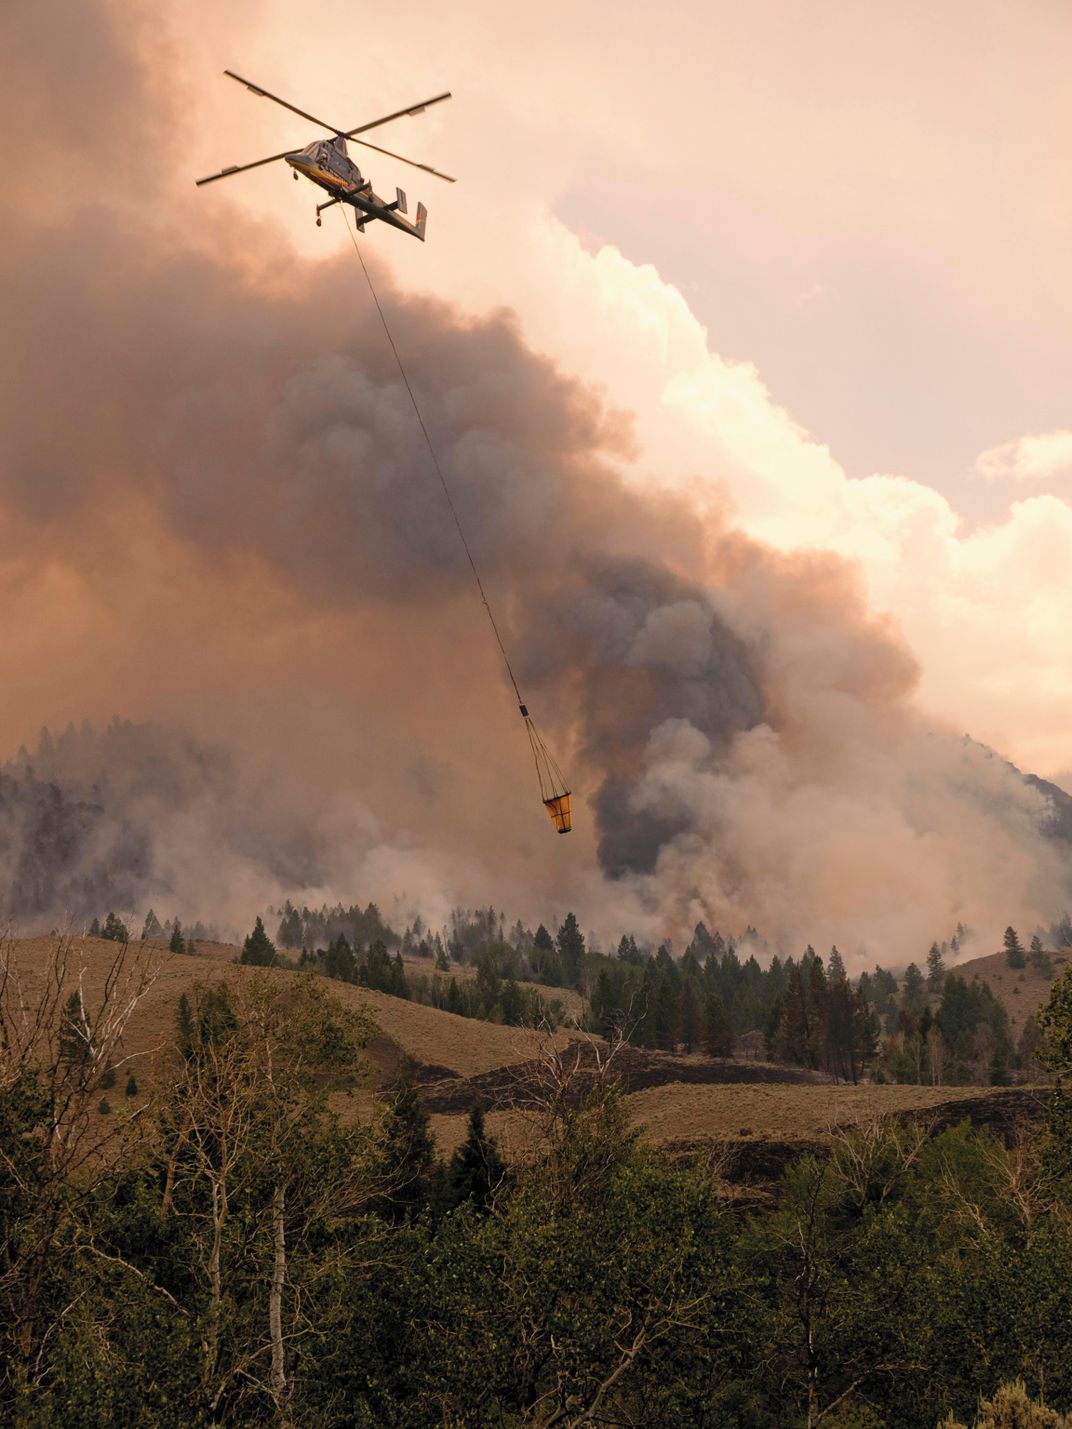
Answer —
218 513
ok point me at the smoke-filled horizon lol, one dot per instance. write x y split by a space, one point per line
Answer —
217 511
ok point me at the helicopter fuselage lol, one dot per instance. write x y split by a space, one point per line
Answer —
327 164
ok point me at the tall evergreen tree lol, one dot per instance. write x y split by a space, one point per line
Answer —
603 1012
512 1003
151 928
476 1170
258 950
839 1022
1040 958
628 952
1014 949
793 1043
407 1155
570 944
115 929
689 1016
935 968
717 1032
816 996
914 986
339 961
546 963
664 1021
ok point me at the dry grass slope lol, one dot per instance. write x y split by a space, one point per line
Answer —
1020 991
675 1112
461 1045
674 1101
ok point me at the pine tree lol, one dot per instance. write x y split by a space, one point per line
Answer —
396 982
703 945
689 1017
512 1003
132 1086
176 943
95 928
628 952
717 1032
544 959
935 969
913 988
115 930
151 927
570 944
839 1022
476 1169
792 1044
835 966
1014 951
454 1001
407 1155
108 1078
1040 958
815 1001
664 1017
258 950
603 1013
339 961
865 1031
291 932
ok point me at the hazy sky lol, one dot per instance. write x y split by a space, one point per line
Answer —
746 335
808 244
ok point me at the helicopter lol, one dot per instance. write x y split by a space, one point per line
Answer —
327 163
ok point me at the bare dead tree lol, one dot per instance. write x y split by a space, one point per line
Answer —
577 1124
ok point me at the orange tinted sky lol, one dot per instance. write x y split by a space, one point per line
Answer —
813 259
822 251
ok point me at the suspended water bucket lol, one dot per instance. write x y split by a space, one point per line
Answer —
558 809
553 789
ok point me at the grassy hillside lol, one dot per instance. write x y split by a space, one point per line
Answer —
452 1046
674 1099
1021 991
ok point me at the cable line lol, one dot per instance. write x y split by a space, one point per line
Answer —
554 792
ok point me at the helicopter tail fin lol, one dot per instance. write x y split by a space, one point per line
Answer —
422 219
400 200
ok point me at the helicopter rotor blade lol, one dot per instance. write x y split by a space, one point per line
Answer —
241 168
265 94
411 162
398 114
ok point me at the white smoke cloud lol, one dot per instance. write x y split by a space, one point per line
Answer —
1039 458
